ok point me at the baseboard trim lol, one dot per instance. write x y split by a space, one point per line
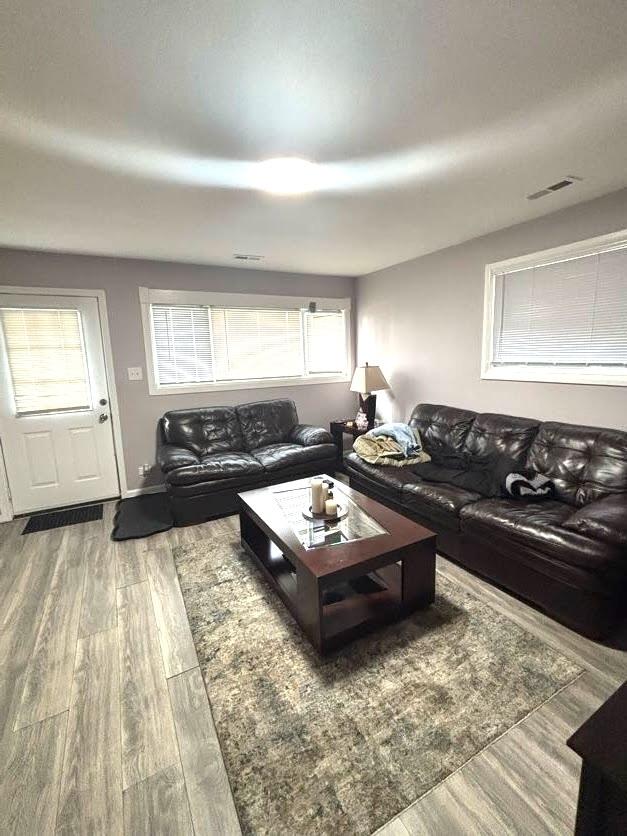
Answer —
141 491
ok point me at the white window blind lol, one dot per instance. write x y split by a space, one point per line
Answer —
254 344
182 344
216 344
325 342
47 359
570 313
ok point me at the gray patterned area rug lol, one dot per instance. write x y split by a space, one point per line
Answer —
341 745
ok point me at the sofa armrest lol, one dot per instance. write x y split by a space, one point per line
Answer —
605 519
170 457
307 435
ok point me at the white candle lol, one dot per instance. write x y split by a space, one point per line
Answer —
325 492
330 508
317 504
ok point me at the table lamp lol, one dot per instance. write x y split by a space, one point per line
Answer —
366 380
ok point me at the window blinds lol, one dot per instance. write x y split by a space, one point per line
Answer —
182 344
256 343
568 313
47 359
202 343
325 337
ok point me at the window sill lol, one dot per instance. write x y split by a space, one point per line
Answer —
235 385
598 376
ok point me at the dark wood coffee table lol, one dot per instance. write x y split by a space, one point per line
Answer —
342 579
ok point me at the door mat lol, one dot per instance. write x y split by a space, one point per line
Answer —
141 516
58 519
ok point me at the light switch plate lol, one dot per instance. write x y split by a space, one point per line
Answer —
135 373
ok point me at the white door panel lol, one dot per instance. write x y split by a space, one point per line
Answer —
85 453
42 469
51 354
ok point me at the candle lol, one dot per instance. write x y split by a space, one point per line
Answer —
317 504
325 492
330 507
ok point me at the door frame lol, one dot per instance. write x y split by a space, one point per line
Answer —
101 298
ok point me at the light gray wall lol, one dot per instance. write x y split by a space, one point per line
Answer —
421 321
120 278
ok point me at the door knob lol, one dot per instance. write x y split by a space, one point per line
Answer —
103 417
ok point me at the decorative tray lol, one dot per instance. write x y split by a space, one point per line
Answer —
342 511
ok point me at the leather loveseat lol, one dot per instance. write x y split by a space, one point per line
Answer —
567 555
210 454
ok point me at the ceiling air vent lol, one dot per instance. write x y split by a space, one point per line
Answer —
554 187
536 195
247 257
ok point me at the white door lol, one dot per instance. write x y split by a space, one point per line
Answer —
55 421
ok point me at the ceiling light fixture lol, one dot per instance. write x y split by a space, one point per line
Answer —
287 176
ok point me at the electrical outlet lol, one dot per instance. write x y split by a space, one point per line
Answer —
144 469
135 373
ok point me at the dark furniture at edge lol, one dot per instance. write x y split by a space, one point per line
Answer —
338 430
602 744
568 555
208 455
301 576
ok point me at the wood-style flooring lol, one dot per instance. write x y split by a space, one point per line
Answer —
105 727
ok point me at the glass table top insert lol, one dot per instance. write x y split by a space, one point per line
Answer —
357 525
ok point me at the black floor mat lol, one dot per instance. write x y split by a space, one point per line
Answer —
58 519
142 516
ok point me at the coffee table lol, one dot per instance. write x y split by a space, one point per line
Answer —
340 579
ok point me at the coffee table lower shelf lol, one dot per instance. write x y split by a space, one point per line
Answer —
331 610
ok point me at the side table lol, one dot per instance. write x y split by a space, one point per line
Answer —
338 430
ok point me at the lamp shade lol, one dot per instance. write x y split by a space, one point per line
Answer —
368 379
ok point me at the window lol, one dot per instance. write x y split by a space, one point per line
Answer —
182 341
324 342
47 362
253 344
207 341
560 315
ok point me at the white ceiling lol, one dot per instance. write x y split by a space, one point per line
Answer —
126 126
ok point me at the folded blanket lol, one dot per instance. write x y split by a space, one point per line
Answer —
405 436
385 451
491 475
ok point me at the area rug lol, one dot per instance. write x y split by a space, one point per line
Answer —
341 745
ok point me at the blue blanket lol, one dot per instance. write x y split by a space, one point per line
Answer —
402 434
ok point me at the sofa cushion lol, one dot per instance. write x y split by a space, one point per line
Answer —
605 519
438 496
216 467
383 478
229 485
266 422
442 428
502 434
204 430
279 456
586 463
536 526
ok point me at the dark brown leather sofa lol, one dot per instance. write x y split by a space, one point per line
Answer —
209 455
568 555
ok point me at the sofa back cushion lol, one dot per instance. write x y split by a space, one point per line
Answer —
206 430
586 463
442 427
502 434
266 422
